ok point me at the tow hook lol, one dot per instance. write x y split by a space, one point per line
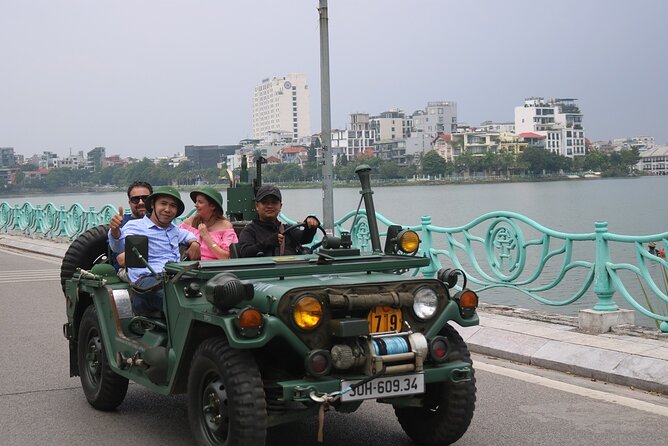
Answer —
461 375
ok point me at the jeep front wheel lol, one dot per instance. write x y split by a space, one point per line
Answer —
447 408
226 403
104 389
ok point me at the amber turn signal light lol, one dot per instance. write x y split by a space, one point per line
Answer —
250 318
467 300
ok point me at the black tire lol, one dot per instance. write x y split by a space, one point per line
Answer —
225 383
448 407
84 252
104 389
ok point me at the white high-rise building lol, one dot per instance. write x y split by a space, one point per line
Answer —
281 104
558 120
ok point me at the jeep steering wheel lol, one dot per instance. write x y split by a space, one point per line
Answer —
303 225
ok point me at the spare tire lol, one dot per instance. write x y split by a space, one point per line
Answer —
84 252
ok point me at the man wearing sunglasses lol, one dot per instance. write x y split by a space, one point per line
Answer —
138 193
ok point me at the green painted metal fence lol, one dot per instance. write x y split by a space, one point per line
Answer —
496 250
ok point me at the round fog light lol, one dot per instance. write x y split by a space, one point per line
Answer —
318 362
438 348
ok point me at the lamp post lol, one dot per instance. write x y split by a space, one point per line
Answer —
326 123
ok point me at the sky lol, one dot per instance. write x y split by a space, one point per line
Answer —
148 77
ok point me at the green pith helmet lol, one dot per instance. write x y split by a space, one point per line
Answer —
165 190
210 193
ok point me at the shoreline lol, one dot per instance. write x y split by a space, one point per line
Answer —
450 181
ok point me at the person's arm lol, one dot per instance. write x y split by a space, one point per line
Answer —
194 249
116 242
310 229
221 242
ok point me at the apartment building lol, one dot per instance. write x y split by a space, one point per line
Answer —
439 117
281 104
558 120
356 140
7 157
390 125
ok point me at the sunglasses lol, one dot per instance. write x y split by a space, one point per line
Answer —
135 200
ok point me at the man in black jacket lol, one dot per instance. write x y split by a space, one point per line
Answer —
265 235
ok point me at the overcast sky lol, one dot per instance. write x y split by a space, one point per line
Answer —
147 77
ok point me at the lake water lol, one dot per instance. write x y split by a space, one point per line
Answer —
633 206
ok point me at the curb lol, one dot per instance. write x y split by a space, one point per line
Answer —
567 350
46 247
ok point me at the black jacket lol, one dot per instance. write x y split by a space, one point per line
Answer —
261 237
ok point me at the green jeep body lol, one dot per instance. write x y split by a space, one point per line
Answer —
243 374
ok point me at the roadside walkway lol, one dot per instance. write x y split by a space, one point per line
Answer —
628 356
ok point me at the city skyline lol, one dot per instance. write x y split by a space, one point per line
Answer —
151 79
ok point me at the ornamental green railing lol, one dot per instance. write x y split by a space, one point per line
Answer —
498 250
506 250
51 221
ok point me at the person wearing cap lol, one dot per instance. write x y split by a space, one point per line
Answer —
164 239
214 232
264 236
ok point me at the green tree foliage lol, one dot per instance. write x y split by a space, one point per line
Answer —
533 161
433 164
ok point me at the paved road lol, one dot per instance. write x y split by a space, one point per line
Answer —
517 404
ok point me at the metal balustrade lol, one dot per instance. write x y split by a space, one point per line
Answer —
502 250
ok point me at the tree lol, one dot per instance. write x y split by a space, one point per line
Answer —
389 170
433 164
630 158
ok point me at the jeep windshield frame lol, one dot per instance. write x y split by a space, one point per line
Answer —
267 267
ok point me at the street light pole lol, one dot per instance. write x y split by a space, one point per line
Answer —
326 123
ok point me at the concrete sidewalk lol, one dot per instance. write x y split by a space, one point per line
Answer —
628 356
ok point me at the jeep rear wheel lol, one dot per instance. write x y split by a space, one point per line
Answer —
448 407
226 403
103 388
84 252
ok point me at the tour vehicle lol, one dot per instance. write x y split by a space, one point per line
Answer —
259 342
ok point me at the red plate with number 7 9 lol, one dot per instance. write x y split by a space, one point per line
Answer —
383 319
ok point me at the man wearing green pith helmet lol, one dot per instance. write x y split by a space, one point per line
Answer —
164 239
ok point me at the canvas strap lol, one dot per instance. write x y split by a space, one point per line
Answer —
281 249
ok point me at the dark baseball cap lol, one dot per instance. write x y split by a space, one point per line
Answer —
265 191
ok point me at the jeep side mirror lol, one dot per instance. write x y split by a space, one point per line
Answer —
136 251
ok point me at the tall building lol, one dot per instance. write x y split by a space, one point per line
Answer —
95 157
558 120
7 157
281 104
438 118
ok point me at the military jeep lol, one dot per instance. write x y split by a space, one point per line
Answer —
259 342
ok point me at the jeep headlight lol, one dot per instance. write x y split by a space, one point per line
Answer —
408 241
307 312
425 302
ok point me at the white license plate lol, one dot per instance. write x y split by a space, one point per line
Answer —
384 387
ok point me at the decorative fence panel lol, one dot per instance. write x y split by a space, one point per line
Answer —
502 250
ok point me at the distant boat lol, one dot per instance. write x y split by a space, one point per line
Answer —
572 177
591 174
